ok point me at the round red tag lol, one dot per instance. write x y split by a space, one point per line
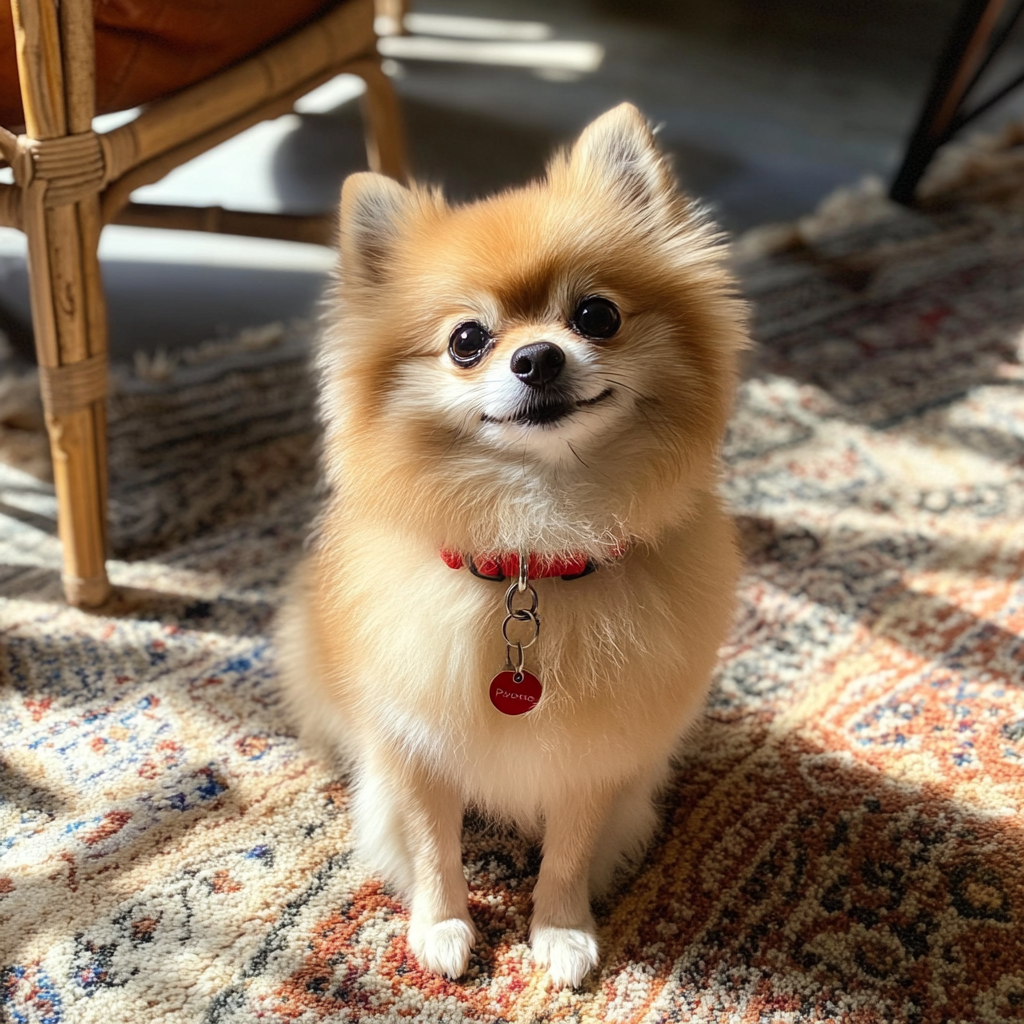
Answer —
515 698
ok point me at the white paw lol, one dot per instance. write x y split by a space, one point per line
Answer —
443 947
569 954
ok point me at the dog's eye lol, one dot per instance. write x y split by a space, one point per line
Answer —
596 318
468 343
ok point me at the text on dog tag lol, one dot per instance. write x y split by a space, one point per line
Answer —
515 693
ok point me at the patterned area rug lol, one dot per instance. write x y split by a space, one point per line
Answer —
844 838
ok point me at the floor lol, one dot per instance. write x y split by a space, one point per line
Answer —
766 105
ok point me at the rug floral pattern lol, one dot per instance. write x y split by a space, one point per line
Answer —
844 837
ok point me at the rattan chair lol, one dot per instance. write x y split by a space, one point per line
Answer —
70 181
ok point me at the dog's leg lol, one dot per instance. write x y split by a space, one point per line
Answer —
378 819
626 832
409 828
562 932
441 932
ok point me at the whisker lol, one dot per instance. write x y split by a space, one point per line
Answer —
577 454
621 384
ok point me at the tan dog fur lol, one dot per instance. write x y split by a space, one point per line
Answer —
388 653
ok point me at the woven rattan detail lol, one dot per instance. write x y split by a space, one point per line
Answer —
73 166
73 386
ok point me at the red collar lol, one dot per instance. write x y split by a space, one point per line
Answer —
498 567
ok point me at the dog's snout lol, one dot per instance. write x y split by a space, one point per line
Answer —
538 364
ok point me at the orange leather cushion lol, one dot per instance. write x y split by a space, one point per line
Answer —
146 49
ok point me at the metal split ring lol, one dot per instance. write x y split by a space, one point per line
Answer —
522 615
511 593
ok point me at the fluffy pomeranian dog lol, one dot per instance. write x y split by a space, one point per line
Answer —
516 393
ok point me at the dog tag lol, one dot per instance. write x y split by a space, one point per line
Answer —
515 693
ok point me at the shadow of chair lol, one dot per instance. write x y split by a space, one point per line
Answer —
69 181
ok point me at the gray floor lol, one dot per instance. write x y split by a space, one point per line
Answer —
767 105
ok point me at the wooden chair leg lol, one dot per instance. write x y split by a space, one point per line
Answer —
56 71
69 323
392 14
385 137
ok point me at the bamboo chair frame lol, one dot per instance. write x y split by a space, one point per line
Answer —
70 181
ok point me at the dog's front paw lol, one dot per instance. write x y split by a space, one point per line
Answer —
569 954
443 947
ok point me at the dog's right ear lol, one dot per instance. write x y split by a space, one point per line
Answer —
372 210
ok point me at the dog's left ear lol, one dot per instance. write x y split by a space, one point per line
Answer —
618 151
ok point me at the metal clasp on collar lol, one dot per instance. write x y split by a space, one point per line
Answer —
520 586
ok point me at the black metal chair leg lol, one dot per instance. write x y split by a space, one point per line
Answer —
956 73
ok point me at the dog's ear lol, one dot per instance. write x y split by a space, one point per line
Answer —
618 151
372 210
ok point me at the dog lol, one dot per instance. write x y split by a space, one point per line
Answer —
522 574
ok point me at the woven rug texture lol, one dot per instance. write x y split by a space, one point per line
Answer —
844 836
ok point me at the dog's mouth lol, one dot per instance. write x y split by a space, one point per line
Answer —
545 411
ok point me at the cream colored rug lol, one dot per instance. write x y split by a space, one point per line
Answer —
844 839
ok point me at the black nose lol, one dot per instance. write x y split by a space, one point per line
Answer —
538 364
